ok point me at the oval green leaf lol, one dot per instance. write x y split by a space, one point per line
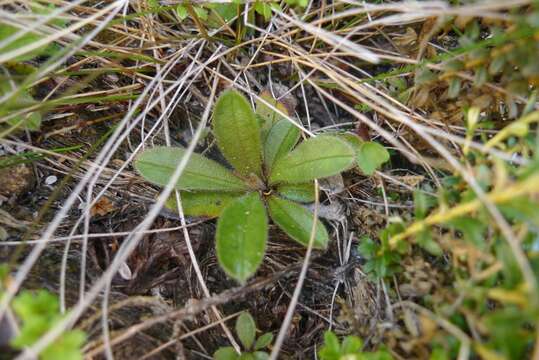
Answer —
226 353
158 164
371 156
260 355
281 138
237 132
297 222
246 329
204 203
263 341
351 139
315 158
242 231
297 192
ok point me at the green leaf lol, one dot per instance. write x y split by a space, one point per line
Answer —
226 353
331 350
371 155
153 4
182 13
298 192
237 132
497 65
439 353
481 76
242 231
38 312
30 305
67 347
206 203
367 247
297 222
302 3
423 202
263 9
472 230
276 6
454 87
351 345
424 76
246 329
427 242
523 209
281 138
510 340
226 11
201 12
23 99
29 38
263 341
247 356
320 157
157 165
377 355
46 10
261 355
31 121
351 139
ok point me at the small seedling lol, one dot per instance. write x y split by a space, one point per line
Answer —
38 312
246 331
271 176
350 349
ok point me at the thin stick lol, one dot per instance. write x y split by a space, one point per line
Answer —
299 285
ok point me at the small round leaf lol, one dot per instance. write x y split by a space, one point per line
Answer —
226 353
263 341
246 329
370 156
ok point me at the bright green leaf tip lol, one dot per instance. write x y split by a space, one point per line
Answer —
371 156
238 133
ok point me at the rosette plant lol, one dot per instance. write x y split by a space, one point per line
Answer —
270 175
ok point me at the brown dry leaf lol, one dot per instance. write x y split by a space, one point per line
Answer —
462 21
428 328
421 97
427 27
102 207
421 278
409 38
411 322
410 180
